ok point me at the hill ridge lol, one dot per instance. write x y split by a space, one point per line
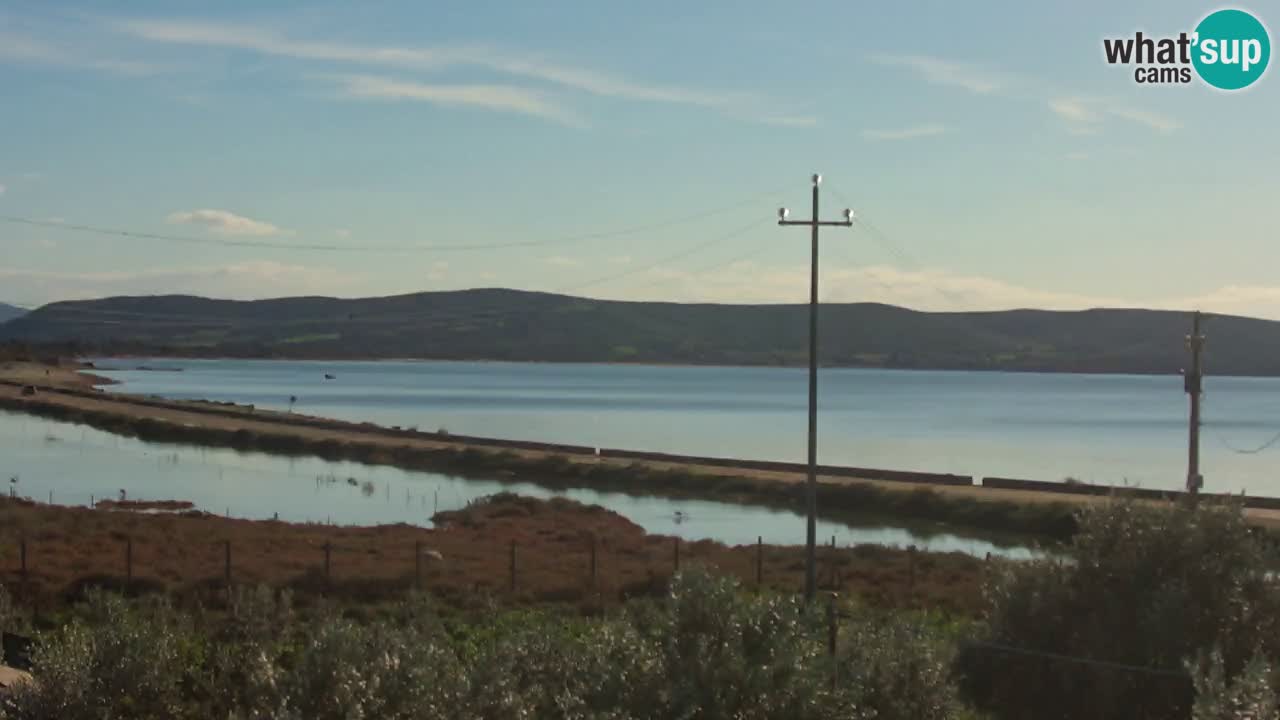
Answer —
518 325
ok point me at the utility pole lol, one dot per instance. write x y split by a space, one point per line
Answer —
811 486
1193 386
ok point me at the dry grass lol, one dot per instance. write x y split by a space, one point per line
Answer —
69 549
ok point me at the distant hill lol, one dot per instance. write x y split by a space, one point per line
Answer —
526 326
9 312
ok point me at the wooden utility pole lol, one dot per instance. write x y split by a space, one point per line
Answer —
811 486
1192 383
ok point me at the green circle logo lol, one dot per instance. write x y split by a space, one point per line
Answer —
1232 49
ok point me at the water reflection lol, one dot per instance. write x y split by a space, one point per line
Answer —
75 465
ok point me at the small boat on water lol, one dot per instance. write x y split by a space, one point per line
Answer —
327 376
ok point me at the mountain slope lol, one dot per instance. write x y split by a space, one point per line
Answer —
9 312
514 325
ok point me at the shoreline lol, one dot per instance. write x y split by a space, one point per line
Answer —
948 503
656 364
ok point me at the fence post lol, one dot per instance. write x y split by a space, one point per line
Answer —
911 569
759 561
513 566
677 555
835 583
227 567
417 564
593 560
831 636
328 547
22 552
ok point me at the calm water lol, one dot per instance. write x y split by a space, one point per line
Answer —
77 464
1110 429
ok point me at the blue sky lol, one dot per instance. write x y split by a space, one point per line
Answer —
1002 161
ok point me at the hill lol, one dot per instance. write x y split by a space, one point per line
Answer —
9 312
496 324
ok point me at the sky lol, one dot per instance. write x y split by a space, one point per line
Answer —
633 151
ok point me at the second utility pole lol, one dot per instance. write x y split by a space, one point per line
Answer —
1193 384
811 486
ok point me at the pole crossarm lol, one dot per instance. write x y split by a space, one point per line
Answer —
811 484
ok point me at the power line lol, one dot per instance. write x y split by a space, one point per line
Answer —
1248 451
661 261
428 314
1079 660
331 247
704 269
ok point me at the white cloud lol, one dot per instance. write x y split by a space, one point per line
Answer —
270 42
240 281
1074 110
342 233
1085 116
971 77
907 133
1155 121
506 98
925 289
28 50
438 271
226 223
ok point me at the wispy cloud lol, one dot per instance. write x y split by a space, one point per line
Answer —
906 133
1155 121
1082 115
342 233
1073 109
971 77
1085 116
226 223
922 289
17 48
505 98
268 41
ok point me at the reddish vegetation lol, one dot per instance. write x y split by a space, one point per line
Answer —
165 505
467 559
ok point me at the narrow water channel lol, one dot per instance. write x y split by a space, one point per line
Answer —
75 465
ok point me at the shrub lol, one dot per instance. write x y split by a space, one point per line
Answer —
1251 695
706 650
116 662
1141 590
901 669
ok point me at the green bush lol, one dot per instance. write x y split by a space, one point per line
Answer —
1141 590
1251 695
706 651
116 662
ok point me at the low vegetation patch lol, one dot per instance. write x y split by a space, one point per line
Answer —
467 558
